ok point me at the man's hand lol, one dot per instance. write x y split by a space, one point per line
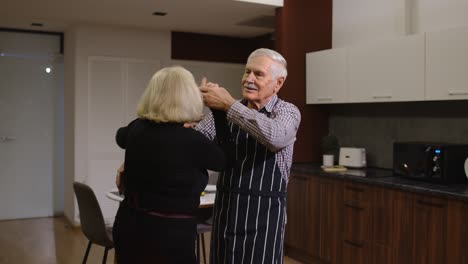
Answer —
215 97
118 177
190 125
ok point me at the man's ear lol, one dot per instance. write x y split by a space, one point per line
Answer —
279 84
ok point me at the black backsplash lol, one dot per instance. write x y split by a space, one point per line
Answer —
375 126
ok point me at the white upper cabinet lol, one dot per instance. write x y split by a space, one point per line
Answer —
447 64
390 71
326 77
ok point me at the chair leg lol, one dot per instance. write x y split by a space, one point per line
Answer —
203 246
198 249
104 259
87 252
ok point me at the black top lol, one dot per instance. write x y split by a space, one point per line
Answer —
166 165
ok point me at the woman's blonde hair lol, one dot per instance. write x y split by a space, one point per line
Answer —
171 96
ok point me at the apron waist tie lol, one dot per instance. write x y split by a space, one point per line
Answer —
252 192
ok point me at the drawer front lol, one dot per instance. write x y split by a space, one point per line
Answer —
356 195
354 253
355 223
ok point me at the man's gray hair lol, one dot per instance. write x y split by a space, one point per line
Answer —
277 69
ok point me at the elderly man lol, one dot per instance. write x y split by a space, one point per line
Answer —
258 136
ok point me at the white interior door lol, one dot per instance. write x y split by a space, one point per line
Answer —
115 87
28 103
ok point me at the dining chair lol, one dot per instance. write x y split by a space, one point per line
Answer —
92 221
201 229
203 226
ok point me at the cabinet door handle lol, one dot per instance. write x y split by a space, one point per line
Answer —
382 96
354 207
356 244
422 202
457 93
356 189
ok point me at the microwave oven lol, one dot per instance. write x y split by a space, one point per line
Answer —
431 162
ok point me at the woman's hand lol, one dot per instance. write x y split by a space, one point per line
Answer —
215 96
190 125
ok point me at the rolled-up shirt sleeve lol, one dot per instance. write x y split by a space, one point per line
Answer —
207 126
276 131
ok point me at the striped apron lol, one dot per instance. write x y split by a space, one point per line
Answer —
250 206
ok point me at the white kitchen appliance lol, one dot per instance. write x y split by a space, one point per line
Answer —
353 157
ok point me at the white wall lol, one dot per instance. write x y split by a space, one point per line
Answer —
69 123
359 21
83 42
227 75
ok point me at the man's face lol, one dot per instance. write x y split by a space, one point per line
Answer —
258 85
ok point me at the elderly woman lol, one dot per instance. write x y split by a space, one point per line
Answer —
165 172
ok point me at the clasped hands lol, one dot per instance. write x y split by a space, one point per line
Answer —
215 97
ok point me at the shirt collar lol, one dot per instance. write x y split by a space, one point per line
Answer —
268 107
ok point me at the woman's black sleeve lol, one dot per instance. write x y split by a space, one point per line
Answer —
122 135
212 156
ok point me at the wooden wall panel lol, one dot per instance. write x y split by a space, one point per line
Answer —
203 47
304 26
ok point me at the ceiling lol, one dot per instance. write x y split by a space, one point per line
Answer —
216 17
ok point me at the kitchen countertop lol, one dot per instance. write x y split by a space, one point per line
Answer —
386 178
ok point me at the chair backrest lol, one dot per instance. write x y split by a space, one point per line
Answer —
92 221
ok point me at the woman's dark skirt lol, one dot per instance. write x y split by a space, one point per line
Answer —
143 238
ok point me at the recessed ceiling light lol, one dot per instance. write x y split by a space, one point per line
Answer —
157 13
37 24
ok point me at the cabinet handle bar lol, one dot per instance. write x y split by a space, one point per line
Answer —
356 189
356 244
422 202
457 93
382 96
354 207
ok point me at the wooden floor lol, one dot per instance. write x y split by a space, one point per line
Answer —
50 241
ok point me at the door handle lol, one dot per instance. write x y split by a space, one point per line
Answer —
321 99
457 93
382 96
7 138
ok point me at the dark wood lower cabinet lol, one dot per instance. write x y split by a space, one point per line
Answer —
380 254
354 253
331 221
314 227
457 232
403 228
302 236
339 222
381 224
429 236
